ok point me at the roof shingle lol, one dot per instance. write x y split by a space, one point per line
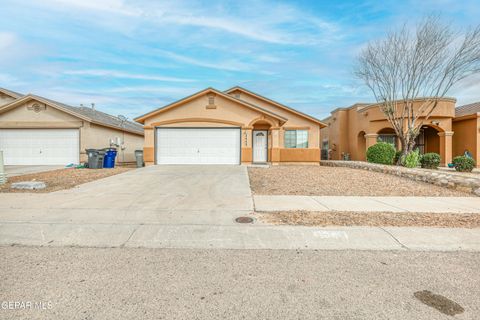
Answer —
467 109
100 117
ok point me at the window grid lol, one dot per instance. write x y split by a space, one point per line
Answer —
296 139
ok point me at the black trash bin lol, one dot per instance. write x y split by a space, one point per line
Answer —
95 158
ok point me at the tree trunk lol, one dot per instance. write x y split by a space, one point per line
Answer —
403 148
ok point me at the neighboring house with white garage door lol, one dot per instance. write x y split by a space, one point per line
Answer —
231 127
38 131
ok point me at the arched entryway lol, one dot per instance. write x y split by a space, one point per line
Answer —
261 144
361 146
428 140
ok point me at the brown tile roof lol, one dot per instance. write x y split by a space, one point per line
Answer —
467 109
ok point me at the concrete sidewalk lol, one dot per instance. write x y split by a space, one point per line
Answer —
368 204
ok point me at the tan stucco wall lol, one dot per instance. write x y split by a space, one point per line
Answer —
228 113
294 120
91 135
347 126
4 99
467 137
97 137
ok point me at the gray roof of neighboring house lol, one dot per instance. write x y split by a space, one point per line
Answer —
12 93
100 117
467 109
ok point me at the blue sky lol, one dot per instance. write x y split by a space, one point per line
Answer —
129 57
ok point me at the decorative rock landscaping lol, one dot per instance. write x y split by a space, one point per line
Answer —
439 178
29 185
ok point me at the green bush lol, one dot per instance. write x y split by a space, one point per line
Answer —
381 152
412 160
398 154
463 163
430 160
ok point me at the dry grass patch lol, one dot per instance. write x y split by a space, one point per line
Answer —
338 181
371 219
62 179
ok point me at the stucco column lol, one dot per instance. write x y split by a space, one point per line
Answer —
275 136
148 146
445 147
247 145
371 139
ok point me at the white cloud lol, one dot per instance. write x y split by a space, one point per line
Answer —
110 6
124 75
7 40
155 90
231 65
269 22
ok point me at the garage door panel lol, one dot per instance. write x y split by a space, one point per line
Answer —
198 145
40 146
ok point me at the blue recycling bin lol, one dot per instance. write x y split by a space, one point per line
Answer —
109 159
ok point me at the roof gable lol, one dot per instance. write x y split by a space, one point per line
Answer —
183 101
275 103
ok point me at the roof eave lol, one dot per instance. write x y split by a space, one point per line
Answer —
306 116
141 119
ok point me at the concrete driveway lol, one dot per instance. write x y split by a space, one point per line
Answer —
156 194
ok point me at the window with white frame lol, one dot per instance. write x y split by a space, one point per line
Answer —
296 139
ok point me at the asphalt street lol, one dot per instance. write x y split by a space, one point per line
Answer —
134 283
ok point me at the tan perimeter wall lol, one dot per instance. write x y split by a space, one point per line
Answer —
228 113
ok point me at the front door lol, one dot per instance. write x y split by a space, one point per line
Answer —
260 146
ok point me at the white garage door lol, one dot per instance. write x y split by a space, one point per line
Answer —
198 145
40 146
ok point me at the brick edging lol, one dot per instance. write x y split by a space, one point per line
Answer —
439 178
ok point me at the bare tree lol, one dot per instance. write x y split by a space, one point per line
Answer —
406 66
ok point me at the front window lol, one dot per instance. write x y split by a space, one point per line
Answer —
388 138
296 139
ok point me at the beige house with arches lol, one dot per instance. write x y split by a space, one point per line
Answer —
350 131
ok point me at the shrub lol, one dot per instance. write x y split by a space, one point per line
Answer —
430 160
398 154
412 159
381 152
463 163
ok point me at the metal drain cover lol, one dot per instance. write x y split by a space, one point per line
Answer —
244 220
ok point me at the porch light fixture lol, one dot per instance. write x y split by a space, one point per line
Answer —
437 123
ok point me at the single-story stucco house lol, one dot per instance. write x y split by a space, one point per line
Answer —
447 131
230 127
38 131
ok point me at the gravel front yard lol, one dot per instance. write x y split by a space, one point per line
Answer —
371 219
62 179
338 181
